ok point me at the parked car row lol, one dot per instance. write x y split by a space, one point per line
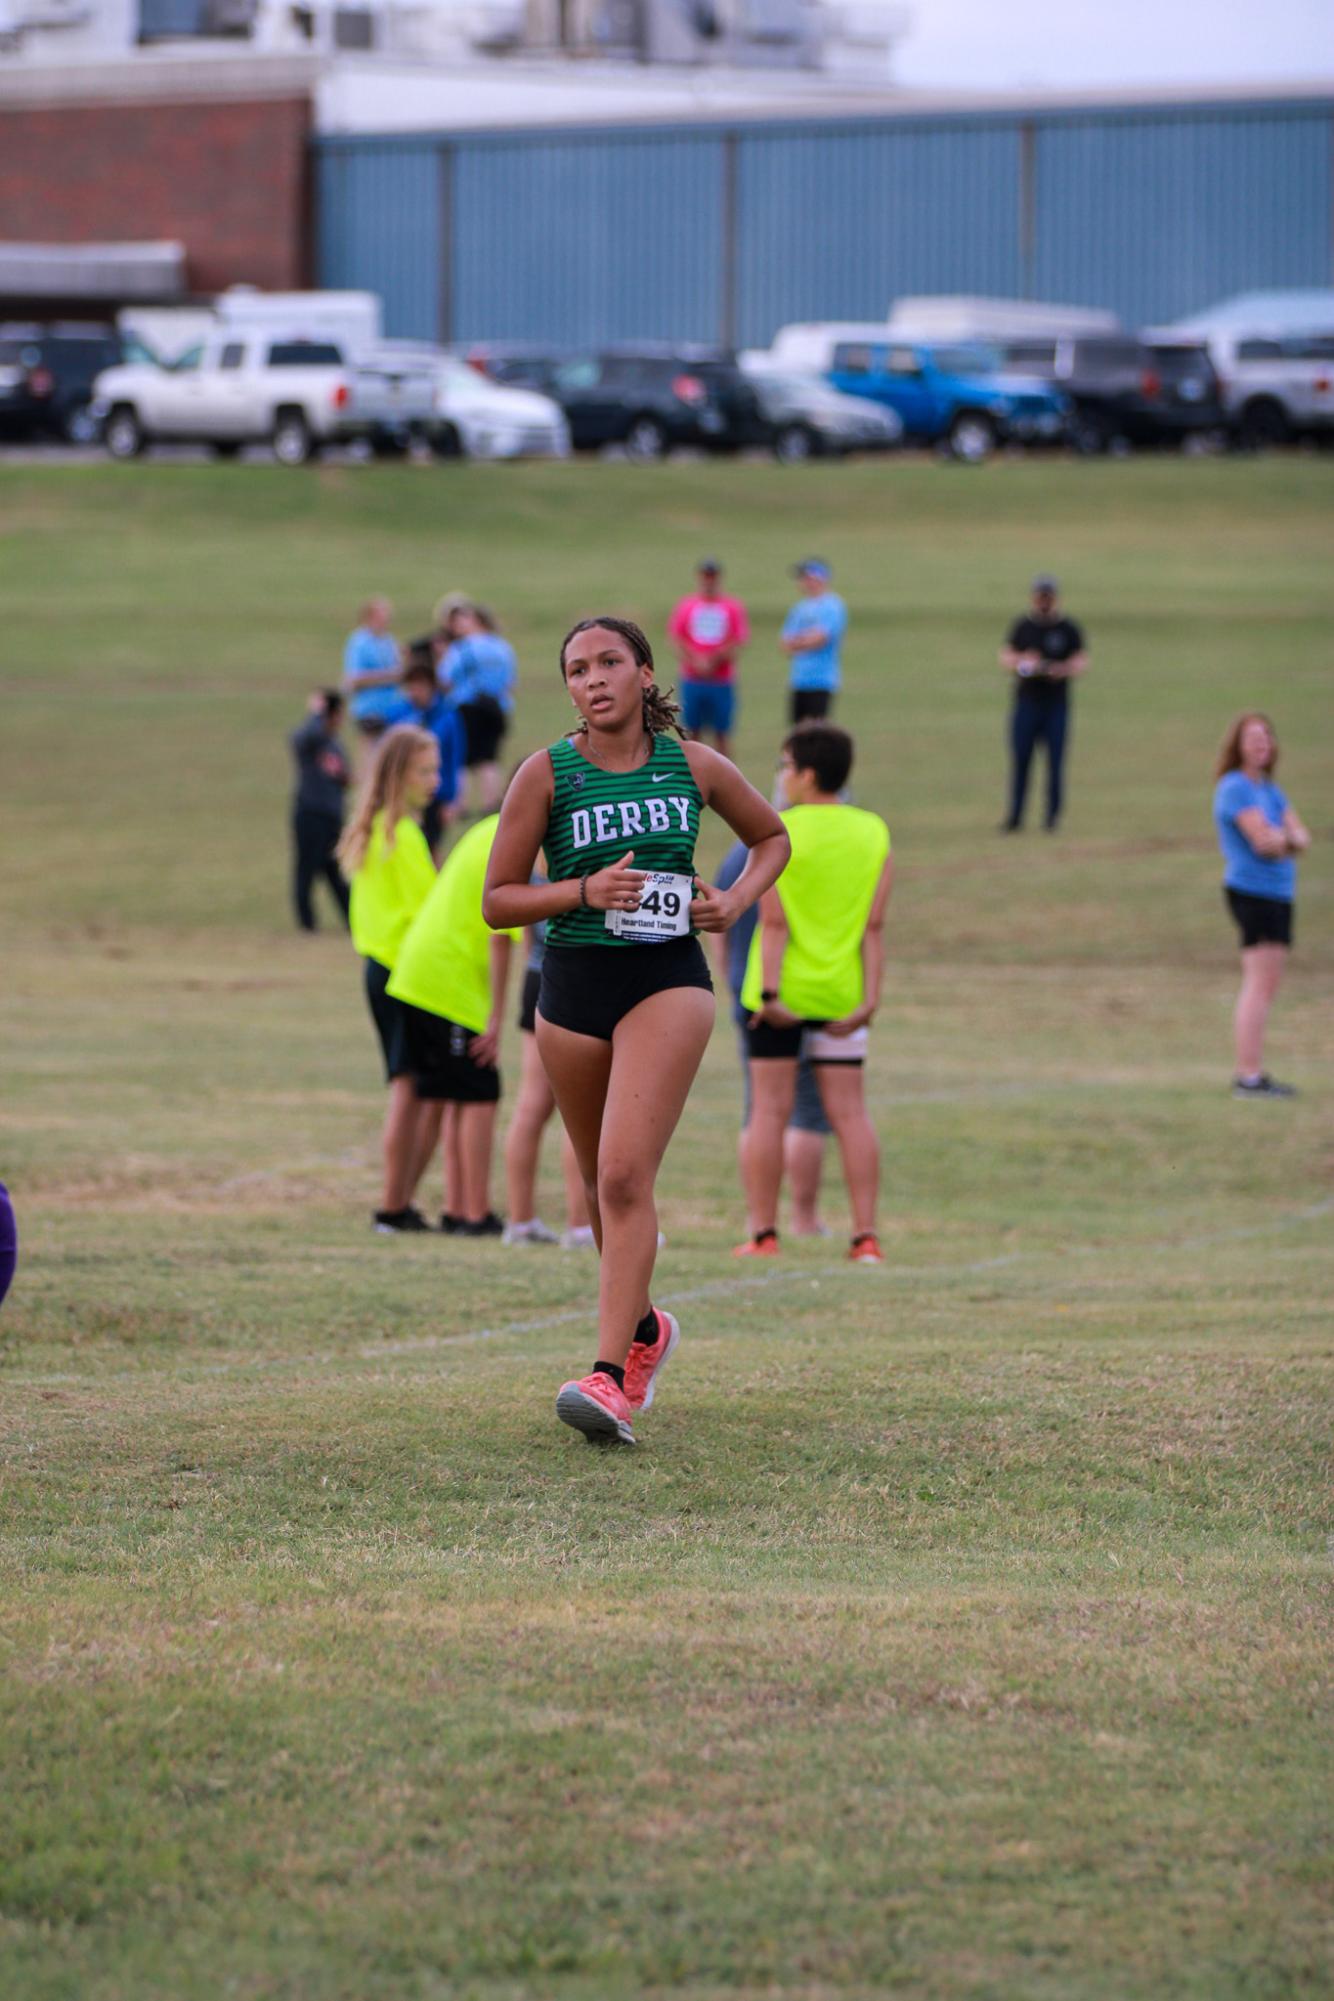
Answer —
1012 375
650 399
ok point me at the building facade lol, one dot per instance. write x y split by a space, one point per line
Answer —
725 229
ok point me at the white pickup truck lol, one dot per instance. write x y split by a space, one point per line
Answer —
246 386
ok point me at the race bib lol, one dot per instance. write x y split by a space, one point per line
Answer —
664 911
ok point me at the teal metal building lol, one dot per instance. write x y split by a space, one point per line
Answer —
725 230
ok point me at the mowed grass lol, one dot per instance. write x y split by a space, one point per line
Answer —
958 1629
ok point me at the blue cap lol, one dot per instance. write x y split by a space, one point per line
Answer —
812 566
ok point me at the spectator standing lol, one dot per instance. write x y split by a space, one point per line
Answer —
371 668
450 975
709 631
813 982
1260 836
389 868
422 702
812 638
1045 651
317 807
479 673
808 1128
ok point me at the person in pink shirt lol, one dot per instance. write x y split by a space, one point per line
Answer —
709 631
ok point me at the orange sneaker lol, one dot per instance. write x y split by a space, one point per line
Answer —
764 1246
597 1408
644 1361
866 1249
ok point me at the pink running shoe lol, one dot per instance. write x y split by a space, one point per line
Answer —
643 1363
597 1408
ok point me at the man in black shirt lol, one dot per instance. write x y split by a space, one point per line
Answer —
1044 653
317 809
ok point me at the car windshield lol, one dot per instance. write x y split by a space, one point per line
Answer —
969 358
184 362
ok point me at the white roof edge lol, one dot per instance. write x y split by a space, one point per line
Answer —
656 93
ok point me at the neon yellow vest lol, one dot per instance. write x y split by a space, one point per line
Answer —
443 964
826 890
389 889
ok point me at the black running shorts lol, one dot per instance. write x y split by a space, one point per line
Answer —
484 724
390 1018
590 988
440 1063
810 705
1261 920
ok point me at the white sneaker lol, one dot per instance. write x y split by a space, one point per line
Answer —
534 1231
579 1239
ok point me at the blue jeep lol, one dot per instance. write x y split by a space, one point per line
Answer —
952 396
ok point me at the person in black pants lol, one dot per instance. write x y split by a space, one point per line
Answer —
1045 651
317 809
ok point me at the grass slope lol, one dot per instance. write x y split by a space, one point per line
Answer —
960 1629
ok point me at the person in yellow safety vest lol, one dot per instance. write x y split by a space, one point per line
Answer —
384 856
813 981
451 976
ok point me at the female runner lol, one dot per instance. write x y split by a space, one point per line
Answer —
626 1003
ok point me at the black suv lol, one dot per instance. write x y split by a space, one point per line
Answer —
47 376
1123 392
645 398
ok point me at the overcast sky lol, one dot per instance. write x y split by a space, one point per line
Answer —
1091 44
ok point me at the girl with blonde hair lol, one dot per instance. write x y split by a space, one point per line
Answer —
384 856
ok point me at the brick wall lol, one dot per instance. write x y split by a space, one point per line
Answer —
229 181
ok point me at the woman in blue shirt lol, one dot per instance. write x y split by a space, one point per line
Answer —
479 672
1260 836
371 669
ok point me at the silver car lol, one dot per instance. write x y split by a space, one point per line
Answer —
804 417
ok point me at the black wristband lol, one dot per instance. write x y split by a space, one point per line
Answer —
583 892
768 994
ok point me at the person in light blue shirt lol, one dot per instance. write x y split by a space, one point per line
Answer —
479 673
1260 837
371 669
812 638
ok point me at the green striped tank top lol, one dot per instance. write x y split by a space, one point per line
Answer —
597 816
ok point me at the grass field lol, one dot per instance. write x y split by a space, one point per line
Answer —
959 1629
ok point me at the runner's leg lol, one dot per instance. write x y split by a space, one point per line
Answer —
656 1052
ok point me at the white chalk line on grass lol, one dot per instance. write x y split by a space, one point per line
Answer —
754 1282
713 1289
716 1289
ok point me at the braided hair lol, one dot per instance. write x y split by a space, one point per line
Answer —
661 713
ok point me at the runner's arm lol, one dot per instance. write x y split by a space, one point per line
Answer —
510 899
751 817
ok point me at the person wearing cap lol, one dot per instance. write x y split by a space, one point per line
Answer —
1044 652
709 631
812 638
